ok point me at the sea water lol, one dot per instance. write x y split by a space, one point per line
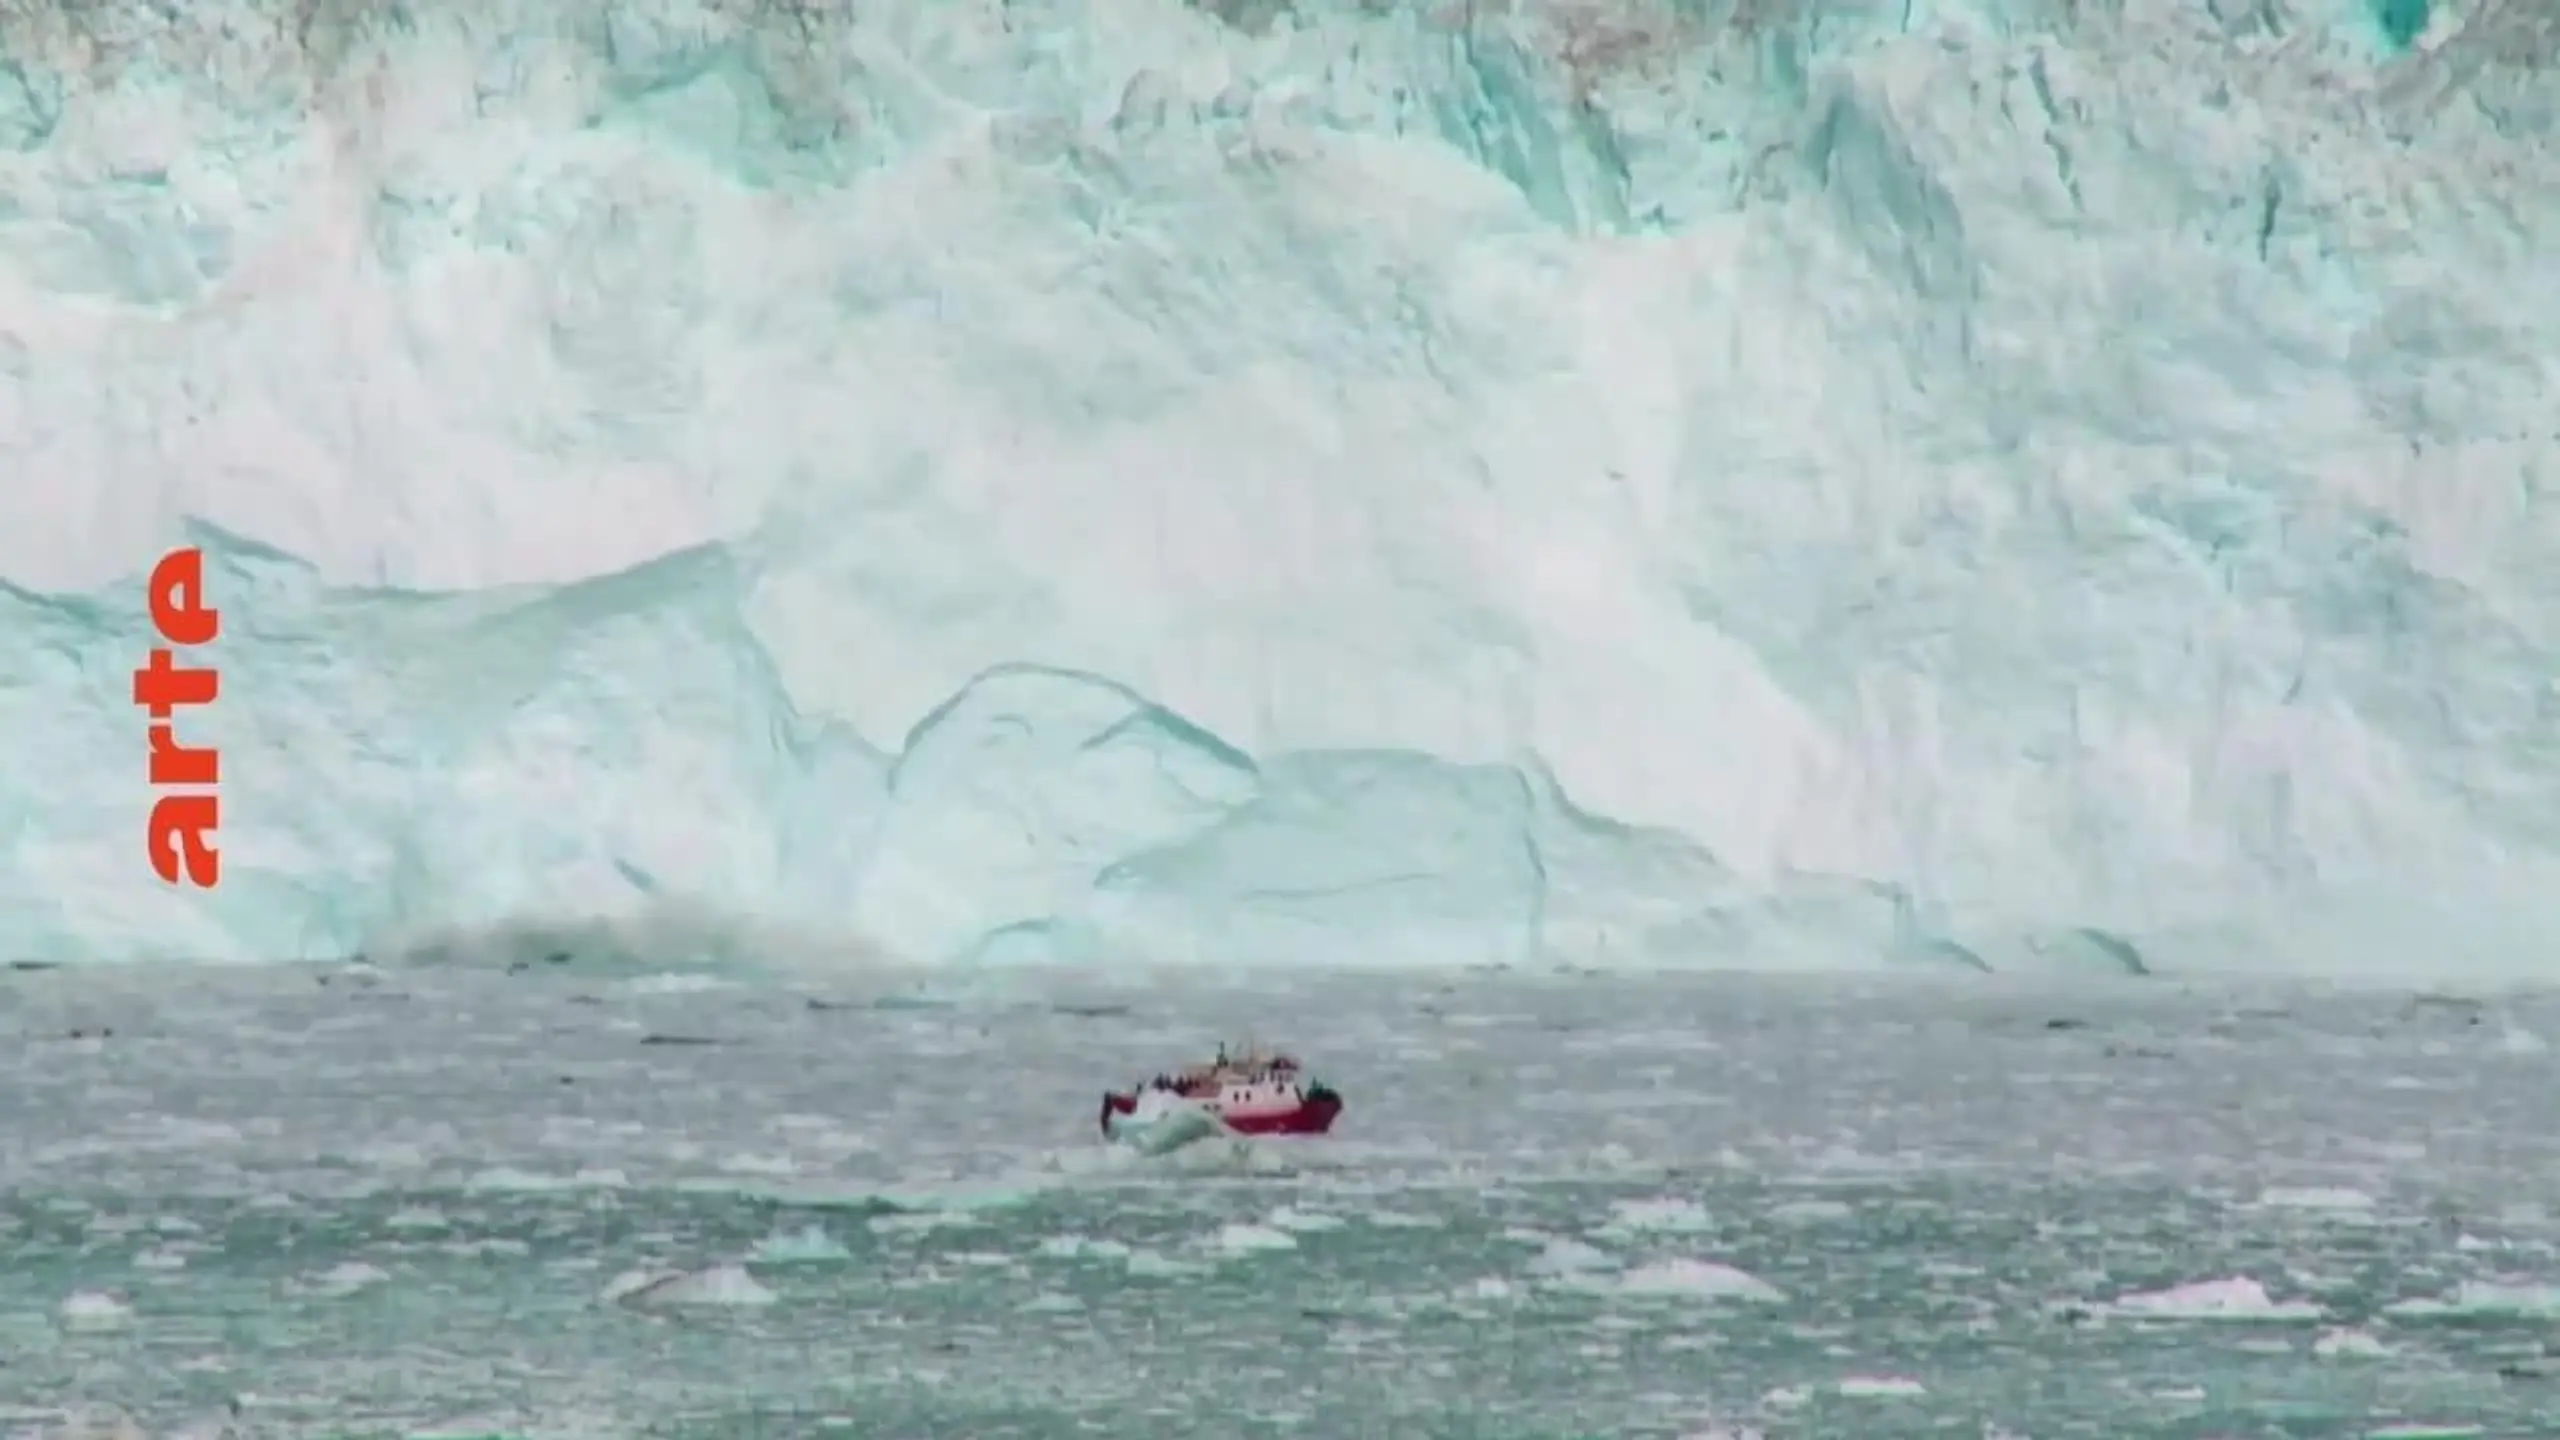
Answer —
303 1202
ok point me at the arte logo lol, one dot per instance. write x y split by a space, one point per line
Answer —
181 837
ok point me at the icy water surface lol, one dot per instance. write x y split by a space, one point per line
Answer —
343 1203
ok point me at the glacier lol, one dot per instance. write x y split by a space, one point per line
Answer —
2057 484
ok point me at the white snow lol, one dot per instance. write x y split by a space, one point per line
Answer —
2071 489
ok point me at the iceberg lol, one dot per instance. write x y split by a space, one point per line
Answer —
1294 482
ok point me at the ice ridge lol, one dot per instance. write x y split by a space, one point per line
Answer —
1564 481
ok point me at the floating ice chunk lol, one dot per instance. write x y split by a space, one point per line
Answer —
2320 1198
1880 1387
1301 1222
1570 1257
2349 1344
1399 1220
1083 1247
1252 1240
2238 1298
1151 1265
1810 1212
745 1164
632 1282
676 984
1661 1217
1703 1279
391 1155
492 1427
94 1310
102 1424
345 1279
2486 1297
918 1222
718 1286
1163 1123
809 1245
507 1180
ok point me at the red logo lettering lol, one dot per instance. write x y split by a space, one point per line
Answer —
180 841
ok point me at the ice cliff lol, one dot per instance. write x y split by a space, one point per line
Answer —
1600 482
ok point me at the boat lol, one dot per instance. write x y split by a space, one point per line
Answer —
1245 1091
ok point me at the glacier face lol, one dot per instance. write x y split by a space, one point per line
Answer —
1275 482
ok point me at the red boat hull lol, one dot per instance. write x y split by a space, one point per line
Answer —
1312 1116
